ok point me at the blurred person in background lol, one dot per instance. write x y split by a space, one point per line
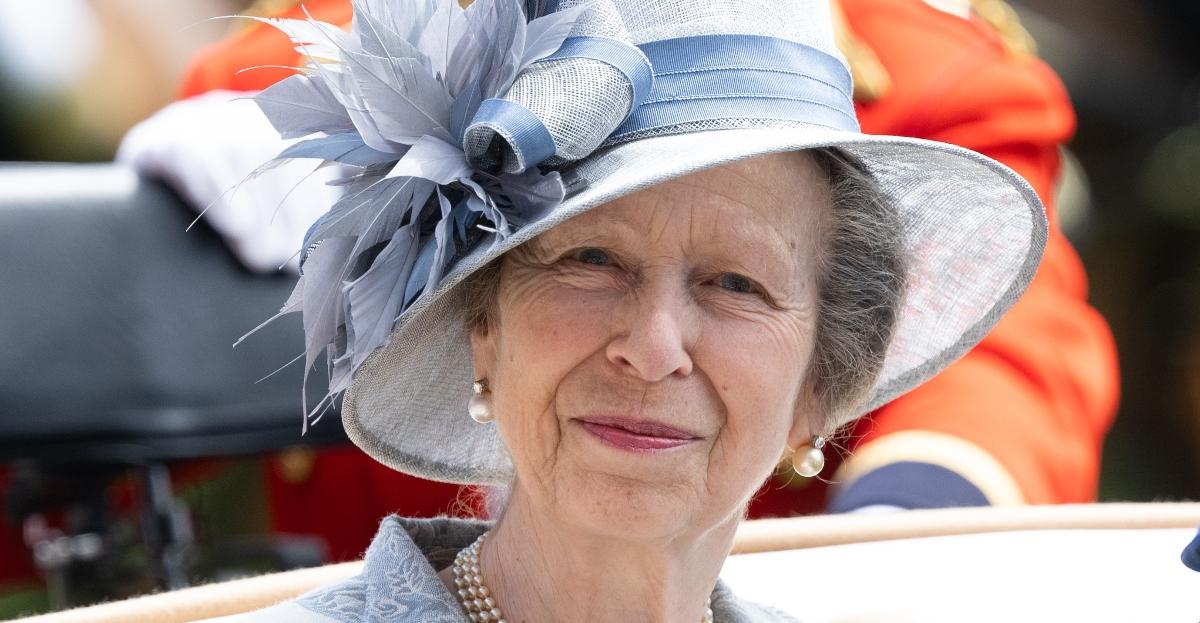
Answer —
1019 420
112 63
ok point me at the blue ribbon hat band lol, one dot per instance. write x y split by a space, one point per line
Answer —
696 79
712 77
704 53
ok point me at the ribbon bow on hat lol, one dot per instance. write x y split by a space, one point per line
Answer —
533 123
438 116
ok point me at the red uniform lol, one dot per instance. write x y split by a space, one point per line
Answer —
1020 418
1037 395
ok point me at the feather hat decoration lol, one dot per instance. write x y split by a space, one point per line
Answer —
420 104
464 133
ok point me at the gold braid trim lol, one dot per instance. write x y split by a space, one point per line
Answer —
262 8
270 8
871 80
999 15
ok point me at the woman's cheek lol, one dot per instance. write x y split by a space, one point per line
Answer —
543 338
568 314
756 372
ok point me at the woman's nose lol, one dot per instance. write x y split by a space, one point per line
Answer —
654 341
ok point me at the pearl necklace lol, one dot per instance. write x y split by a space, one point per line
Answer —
477 599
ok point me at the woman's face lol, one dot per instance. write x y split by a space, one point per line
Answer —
646 360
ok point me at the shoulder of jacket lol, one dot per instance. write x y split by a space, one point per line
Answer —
871 80
1004 19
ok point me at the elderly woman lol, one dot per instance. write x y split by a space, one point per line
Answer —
616 261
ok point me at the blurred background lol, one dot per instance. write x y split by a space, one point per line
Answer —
76 74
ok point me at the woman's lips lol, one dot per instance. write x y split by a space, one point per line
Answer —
636 435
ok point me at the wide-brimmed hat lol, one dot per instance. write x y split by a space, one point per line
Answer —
466 132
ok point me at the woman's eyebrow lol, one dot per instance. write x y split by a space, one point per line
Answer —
593 232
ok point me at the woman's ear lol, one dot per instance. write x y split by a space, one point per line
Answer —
483 349
808 419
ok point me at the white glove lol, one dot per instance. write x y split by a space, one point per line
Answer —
205 147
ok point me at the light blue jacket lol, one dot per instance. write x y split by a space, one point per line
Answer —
399 583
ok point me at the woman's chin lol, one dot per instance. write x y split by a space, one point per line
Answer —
612 486
618 508
630 500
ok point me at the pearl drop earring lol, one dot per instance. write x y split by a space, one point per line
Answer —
478 405
809 459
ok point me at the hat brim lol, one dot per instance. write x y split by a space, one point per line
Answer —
973 234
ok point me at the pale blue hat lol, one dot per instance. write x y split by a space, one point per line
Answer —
467 132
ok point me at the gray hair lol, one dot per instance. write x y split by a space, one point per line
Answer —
861 282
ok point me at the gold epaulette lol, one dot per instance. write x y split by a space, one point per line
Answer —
871 80
999 15
272 8
263 8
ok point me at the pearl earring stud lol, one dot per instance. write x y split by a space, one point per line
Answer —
808 460
478 406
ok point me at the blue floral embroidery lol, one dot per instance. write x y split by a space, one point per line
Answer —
397 584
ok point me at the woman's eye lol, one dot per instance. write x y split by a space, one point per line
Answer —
593 256
737 283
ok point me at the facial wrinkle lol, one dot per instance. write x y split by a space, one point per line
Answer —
664 220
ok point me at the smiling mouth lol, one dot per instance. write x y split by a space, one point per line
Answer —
636 435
